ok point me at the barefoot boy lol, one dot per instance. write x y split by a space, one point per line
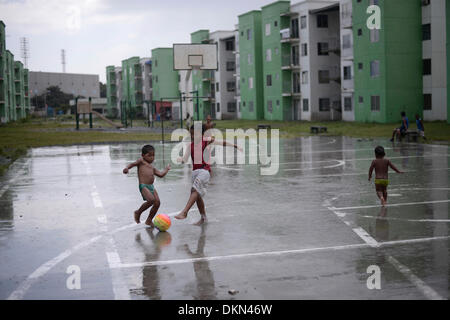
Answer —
381 166
146 174
201 172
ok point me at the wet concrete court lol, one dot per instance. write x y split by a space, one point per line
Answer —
309 232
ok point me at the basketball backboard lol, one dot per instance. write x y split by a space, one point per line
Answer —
195 56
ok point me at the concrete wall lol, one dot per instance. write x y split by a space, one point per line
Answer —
435 49
86 85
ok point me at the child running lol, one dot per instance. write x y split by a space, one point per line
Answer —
381 166
146 175
200 171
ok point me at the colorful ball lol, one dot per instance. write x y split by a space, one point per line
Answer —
162 222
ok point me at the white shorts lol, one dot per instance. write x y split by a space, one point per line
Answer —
200 181
421 133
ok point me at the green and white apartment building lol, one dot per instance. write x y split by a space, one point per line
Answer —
317 60
14 89
128 87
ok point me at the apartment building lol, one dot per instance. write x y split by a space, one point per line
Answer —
447 20
434 46
347 62
14 84
251 66
165 82
129 88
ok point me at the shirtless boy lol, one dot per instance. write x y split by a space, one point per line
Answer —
381 166
146 175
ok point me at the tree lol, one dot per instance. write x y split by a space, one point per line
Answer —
54 98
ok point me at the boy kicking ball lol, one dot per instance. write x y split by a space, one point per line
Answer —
381 166
201 171
146 175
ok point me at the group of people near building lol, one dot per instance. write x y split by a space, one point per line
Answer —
400 132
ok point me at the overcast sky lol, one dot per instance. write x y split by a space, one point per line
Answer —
97 33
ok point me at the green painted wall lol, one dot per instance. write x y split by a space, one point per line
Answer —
447 9
3 83
26 91
165 79
251 21
400 54
281 106
18 90
111 89
11 98
201 81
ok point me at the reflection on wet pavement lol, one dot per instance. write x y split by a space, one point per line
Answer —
308 232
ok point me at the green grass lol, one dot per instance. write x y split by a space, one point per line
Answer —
16 138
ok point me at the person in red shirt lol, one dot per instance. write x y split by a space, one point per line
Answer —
201 172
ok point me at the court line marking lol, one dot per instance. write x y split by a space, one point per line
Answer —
120 289
426 290
15 177
389 205
116 264
429 292
43 269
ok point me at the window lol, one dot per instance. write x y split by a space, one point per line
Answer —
218 107
229 45
269 80
303 22
347 73
269 106
322 21
267 29
361 99
276 50
231 107
346 41
250 83
231 86
305 105
231 65
322 48
249 34
294 28
359 32
360 66
426 32
324 76
251 106
156 78
305 77
269 55
427 101
156 63
217 86
275 23
239 106
375 68
249 58
304 49
324 104
347 104
426 67
375 103
374 35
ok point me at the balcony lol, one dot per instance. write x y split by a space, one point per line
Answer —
289 90
288 37
289 63
208 75
334 46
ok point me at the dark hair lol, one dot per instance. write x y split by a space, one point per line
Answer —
203 128
403 114
147 149
379 151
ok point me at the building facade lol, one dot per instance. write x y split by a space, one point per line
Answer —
85 85
165 82
14 88
251 66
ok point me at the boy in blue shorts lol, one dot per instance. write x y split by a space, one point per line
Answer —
420 127
146 175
